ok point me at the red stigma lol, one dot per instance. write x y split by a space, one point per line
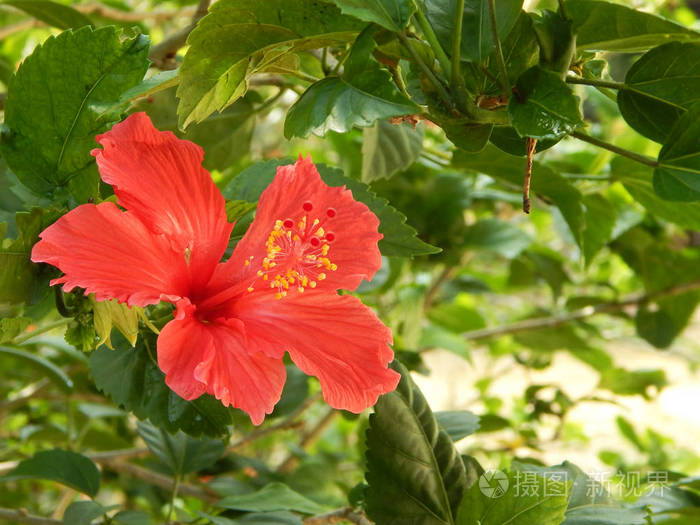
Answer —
331 212
330 236
307 206
288 223
315 242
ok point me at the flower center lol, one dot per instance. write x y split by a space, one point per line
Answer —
297 252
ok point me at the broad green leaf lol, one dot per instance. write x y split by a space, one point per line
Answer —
508 140
391 14
545 182
180 453
632 382
256 518
435 336
399 238
46 366
477 36
604 26
388 148
131 517
600 217
154 84
678 176
606 515
82 513
669 317
557 40
458 423
660 87
239 38
272 497
294 393
544 106
238 208
498 236
111 313
514 498
638 181
63 95
134 381
51 13
11 327
467 137
62 466
415 474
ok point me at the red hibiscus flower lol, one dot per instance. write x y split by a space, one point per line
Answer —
234 320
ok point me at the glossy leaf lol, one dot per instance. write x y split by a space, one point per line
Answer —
51 123
660 87
605 26
388 148
62 466
239 38
391 14
51 13
82 512
544 106
272 497
415 474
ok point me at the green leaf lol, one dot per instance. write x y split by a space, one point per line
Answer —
467 137
415 474
389 148
606 515
632 382
180 453
63 95
134 382
524 500
660 87
82 512
545 182
154 84
51 13
256 518
46 366
399 238
507 139
11 327
498 236
131 517
661 325
600 218
239 38
604 26
107 314
678 176
272 497
237 209
458 423
637 180
557 40
62 466
544 107
391 14
477 36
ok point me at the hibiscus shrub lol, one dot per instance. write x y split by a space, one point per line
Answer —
223 250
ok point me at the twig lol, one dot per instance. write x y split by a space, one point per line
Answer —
616 149
588 311
338 516
596 82
431 294
432 39
40 330
22 516
530 145
426 70
11 29
131 16
456 81
163 54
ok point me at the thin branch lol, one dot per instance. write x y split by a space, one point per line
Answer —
40 330
338 516
22 516
163 54
583 313
445 275
456 81
432 39
642 159
444 95
309 438
596 82
131 16
505 84
11 29
530 145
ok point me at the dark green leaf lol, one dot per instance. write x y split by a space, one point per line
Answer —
179 452
294 393
467 137
508 140
389 148
46 366
499 498
11 327
477 37
135 382
272 497
604 26
256 518
557 40
62 466
82 513
661 325
544 106
458 423
415 474
51 13
600 218
237 209
498 236
63 95
239 38
678 176
660 87
391 14
131 517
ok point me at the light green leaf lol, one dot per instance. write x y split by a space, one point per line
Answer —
632 382
62 466
660 87
604 26
160 81
498 236
63 95
46 366
678 176
389 148
458 423
415 474
51 13
391 14
600 218
544 107
239 38
605 515
11 327
113 313
272 497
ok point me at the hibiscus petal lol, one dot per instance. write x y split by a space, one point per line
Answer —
160 179
215 358
335 338
296 198
112 254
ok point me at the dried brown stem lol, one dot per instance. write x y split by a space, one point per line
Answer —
530 144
